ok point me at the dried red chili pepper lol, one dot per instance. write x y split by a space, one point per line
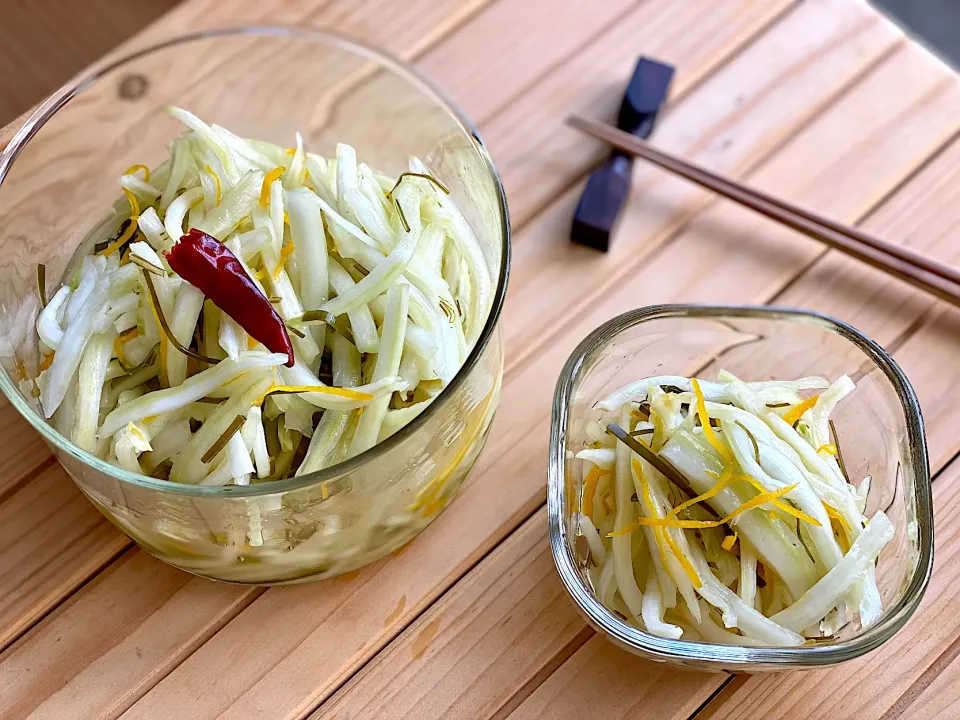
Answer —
207 264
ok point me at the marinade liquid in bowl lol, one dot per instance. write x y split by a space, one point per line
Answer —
298 510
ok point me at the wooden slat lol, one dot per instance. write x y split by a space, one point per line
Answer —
22 453
56 576
41 50
492 638
746 107
881 153
47 675
536 152
70 542
512 624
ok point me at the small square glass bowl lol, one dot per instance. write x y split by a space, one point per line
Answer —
879 427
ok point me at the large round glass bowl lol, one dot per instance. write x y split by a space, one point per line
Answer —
59 182
879 424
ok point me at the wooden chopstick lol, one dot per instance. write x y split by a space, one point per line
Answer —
912 267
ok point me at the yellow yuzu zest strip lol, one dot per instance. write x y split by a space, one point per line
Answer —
785 507
761 499
134 204
829 448
660 534
267 182
285 252
682 559
590 488
325 389
725 479
708 432
133 169
46 362
834 515
728 542
217 178
797 411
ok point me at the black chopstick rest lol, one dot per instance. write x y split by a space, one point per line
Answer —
609 185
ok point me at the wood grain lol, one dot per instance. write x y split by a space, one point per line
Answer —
514 625
41 49
777 83
696 37
126 636
42 558
881 153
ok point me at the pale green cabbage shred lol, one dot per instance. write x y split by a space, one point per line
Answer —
400 305
799 567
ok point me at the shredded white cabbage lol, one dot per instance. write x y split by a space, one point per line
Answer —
361 254
745 530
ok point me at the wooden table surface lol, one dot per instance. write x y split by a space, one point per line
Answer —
823 102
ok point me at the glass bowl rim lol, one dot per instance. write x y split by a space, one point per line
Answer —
39 117
729 657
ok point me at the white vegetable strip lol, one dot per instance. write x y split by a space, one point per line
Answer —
300 376
182 322
188 467
306 230
653 611
238 456
212 140
599 552
716 392
173 220
626 514
362 324
67 359
822 597
333 425
93 372
48 326
388 364
396 419
234 207
192 389
736 612
231 337
469 248
747 587
379 279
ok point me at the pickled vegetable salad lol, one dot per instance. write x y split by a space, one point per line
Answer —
256 312
722 512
